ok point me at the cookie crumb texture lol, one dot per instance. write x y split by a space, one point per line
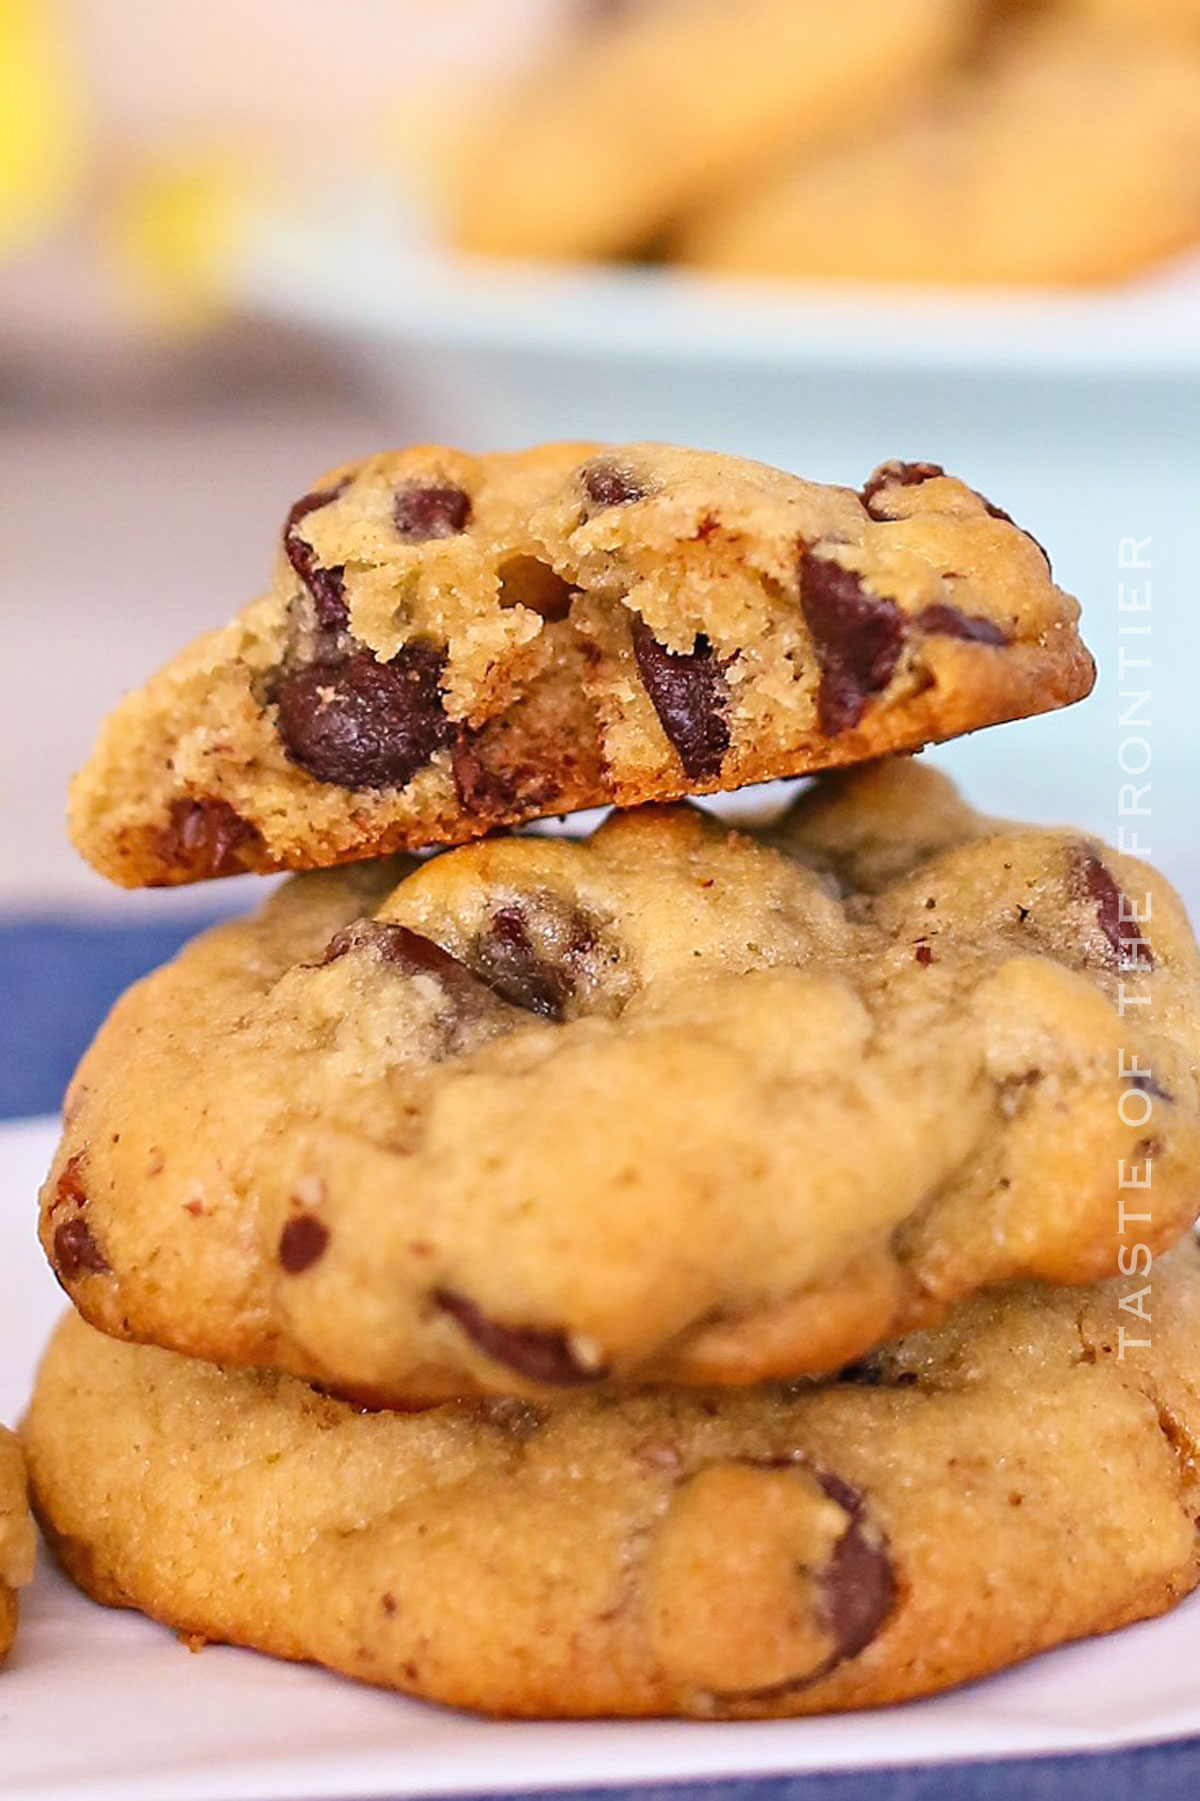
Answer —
672 1103
16 1537
973 1496
456 644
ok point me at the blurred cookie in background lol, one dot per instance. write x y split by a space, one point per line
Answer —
1073 157
657 104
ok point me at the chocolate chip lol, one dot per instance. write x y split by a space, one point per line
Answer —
857 639
866 1374
497 777
505 965
859 1587
410 951
606 484
534 1353
302 1243
897 475
534 953
76 1252
1147 1084
327 586
856 1589
514 970
689 693
420 514
483 789
205 837
924 955
362 723
1093 880
948 622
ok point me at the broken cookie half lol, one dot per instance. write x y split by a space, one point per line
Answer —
455 644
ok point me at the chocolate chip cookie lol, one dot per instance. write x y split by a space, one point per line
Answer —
674 1103
1073 158
454 644
16 1537
1023 1476
596 154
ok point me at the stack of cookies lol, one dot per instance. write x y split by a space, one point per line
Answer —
676 1270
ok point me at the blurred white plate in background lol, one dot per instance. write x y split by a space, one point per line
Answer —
354 262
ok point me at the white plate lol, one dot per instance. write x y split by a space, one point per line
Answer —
100 1706
353 260
824 380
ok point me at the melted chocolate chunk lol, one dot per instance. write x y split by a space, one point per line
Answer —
857 638
76 1252
483 790
408 950
420 514
1094 881
689 693
948 622
205 837
505 965
534 1353
302 1243
327 586
859 1587
897 475
515 971
365 724
501 775
608 485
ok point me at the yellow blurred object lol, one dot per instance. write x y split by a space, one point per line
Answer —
41 125
175 229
